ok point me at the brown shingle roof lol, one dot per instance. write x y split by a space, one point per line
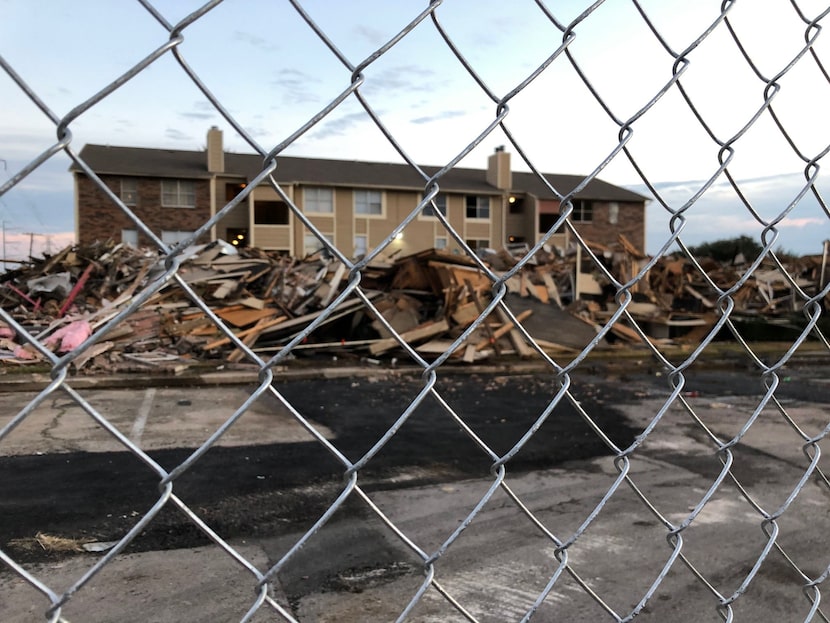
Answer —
171 163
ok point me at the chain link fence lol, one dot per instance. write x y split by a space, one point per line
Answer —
672 61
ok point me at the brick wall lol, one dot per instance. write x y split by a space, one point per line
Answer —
630 222
100 219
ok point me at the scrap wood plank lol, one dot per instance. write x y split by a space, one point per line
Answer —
252 336
707 302
428 329
334 284
481 308
625 332
244 317
464 314
343 309
516 337
553 291
186 327
504 329
549 346
253 302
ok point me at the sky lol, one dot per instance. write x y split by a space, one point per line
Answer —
273 74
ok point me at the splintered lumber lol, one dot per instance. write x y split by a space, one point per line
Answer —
502 330
258 328
624 332
244 317
516 337
553 291
464 314
480 308
420 332
252 336
334 284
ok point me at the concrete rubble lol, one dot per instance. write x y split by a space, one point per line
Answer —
561 299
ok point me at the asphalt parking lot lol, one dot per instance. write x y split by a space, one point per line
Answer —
267 480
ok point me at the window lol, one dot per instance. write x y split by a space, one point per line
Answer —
312 244
178 194
270 213
129 237
318 200
368 202
440 203
613 212
174 237
477 243
546 221
441 242
129 191
583 211
478 207
361 244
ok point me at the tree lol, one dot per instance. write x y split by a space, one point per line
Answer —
727 250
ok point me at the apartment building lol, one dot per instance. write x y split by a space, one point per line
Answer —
353 204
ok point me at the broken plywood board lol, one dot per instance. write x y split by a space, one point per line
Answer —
245 316
421 332
550 323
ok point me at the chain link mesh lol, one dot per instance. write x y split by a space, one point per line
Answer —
674 64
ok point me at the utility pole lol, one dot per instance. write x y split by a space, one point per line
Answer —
31 235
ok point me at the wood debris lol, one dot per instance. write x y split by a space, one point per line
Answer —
219 303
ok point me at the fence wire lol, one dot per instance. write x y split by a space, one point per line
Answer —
563 52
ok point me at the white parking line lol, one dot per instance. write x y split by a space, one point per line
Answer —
143 411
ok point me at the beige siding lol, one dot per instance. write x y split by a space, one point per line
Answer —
477 230
266 193
455 214
344 235
497 209
276 237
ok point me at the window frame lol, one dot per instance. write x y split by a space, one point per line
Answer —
440 200
280 209
311 204
478 243
129 237
365 246
180 194
367 192
581 209
174 236
124 193
308 234
478 209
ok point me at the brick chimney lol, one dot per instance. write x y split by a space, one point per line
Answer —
498 169
215 151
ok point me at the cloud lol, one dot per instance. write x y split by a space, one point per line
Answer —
254 40
372 35
447 114
394 80
720 213
177 135
294 86
21 245
339 126
202 111
801 223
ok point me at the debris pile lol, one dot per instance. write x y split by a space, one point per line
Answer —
147 314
